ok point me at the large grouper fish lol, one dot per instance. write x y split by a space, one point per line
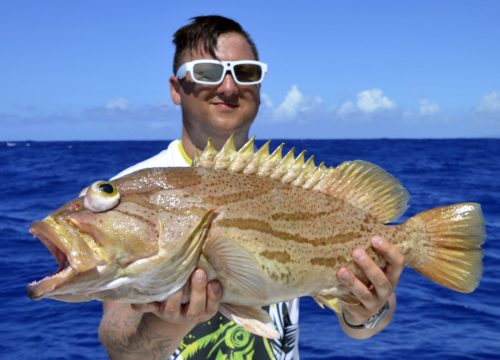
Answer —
268 227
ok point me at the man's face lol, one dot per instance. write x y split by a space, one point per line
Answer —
217 111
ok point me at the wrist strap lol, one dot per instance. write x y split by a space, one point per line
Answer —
373 321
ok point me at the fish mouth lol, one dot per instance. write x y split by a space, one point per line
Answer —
53 242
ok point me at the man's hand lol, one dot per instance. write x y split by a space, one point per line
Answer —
203 302
147 331
371 297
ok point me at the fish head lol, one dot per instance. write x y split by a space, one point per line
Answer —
92 238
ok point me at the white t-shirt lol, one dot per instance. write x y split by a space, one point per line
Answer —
219 336
173 156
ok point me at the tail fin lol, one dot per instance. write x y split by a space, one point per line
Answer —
447 249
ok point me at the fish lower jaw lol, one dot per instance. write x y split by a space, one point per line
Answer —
49 284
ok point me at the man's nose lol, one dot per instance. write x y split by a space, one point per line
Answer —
228 86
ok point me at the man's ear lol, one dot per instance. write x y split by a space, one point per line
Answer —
175 90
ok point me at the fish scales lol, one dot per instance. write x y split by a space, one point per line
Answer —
290 221
268 227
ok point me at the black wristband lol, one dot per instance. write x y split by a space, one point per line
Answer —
373 321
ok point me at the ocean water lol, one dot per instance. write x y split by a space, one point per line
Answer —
431 322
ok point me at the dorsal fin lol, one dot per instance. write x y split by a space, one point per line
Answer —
368 187
359 183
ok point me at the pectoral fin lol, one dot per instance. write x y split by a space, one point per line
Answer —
252 319
235 266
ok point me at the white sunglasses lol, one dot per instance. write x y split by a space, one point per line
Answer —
212 72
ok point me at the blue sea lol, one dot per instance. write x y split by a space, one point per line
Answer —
431 322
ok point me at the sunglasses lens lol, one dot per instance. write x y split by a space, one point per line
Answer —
213 73
208 72
248 72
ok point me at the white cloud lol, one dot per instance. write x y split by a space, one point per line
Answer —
368 102
347 108
117 104
292 104
428 108
295 103
490 103
373 100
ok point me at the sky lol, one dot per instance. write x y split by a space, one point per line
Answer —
98 70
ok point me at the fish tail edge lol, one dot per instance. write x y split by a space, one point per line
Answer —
447 245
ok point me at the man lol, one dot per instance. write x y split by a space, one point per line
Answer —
220 98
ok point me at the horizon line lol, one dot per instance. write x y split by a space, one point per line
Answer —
262 139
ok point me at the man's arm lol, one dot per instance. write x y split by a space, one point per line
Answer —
374 296
154 330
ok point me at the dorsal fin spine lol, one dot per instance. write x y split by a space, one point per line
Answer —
243 156
295 169
283 165
267 166
207 157
315 176
259 157
326 179
307 170
225 155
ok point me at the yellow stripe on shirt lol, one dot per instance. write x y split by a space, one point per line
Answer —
185 156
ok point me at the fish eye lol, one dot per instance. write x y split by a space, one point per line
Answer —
107 188
101 196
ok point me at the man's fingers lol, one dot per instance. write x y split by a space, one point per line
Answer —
356 287
393 257
375 275
204 299
198 297
383 282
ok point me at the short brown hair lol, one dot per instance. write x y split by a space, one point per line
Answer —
202 33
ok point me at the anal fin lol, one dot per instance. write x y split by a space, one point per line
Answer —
252 319
331 298
328 301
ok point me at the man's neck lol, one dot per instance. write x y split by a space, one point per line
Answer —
187 144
